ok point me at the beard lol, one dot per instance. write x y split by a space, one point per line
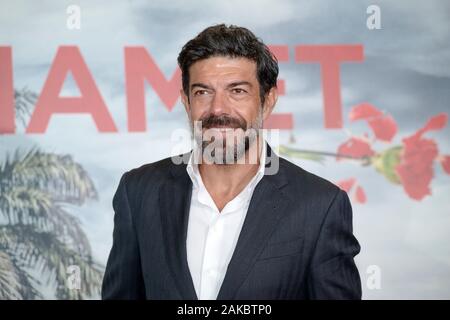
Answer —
223 139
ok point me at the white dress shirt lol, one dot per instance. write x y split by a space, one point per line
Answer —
212 234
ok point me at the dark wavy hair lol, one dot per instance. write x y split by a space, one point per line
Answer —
230 41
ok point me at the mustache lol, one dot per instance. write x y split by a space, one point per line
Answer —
211 121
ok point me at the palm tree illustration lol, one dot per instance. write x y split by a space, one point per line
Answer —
39 237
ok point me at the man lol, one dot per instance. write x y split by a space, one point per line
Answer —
221 226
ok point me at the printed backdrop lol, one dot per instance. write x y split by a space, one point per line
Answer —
90 89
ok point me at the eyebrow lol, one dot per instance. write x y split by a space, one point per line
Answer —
239 83
231 85
201 85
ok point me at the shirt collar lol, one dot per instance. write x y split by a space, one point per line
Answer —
194 174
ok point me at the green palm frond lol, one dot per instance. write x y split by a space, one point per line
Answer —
24 100
47 176
34 207
15 282
10 285
47 253
36 191
25 205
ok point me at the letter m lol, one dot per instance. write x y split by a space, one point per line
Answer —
140 66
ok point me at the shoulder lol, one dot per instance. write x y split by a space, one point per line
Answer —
305 185
314 198
157 169
299 176
150 175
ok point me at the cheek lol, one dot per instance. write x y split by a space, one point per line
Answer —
250 114
197 112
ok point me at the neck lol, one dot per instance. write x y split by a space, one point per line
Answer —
233 178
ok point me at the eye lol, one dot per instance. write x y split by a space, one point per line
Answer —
238 90
200 92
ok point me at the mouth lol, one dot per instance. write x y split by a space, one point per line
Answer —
222 131
221 128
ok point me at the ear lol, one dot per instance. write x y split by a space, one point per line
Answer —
185 101
269 102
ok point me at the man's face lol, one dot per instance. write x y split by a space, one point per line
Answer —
224 95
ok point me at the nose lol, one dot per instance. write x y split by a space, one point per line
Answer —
219 103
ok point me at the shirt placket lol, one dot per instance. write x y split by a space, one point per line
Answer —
211 258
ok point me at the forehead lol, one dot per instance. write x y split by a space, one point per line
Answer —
223 68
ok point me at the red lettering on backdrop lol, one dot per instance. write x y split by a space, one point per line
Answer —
68 58
280 120
329 57
140 66
7 114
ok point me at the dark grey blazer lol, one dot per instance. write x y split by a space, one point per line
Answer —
296 242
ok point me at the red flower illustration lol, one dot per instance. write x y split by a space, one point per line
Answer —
356 147
409 164
416 166
383 126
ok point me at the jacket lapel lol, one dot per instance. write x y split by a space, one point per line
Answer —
266 207
174 201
